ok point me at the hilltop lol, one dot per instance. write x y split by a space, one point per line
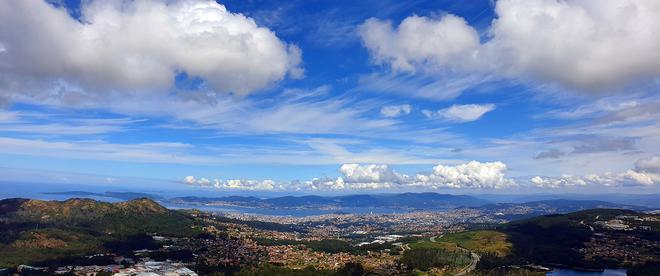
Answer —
594 238
588 239
39 232
518 211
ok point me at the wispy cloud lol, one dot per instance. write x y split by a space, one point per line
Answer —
395 110
461 113
100 150
433 87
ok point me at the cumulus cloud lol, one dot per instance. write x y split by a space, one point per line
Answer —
231 184
460 113
190 180
395 110
557 182
419 41
590 45
474 174
372 176
318 184
471 175
646 173
136 47
609 179
204 182
239 184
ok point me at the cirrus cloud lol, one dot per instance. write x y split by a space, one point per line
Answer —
395 110
460 113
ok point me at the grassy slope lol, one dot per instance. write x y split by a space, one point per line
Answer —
37 232
556 239
484 241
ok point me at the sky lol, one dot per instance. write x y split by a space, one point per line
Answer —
254 96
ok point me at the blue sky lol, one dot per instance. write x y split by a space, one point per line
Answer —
332 96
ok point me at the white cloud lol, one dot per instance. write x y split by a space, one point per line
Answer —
395 110
318 184
419 42
591 45
136 47
432 87
204 181
471 175
461 113
644 174
585 44
474 174
599 108
190 180
172 153
557 182
370 176
239 184
231 184
33 123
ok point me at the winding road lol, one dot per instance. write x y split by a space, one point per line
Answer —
472 266
474 258
432 239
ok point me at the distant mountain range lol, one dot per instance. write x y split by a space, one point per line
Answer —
514 211
647 200
117 195
405 201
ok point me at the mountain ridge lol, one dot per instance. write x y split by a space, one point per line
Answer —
428 200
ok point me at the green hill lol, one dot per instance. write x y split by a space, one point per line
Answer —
41 232
587 239
592 239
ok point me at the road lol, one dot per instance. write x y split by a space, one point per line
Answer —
472 266
590 227
432 239
474 259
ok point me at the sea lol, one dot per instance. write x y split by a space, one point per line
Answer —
288 212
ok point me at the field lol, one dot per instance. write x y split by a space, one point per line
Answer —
485 241
426 243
